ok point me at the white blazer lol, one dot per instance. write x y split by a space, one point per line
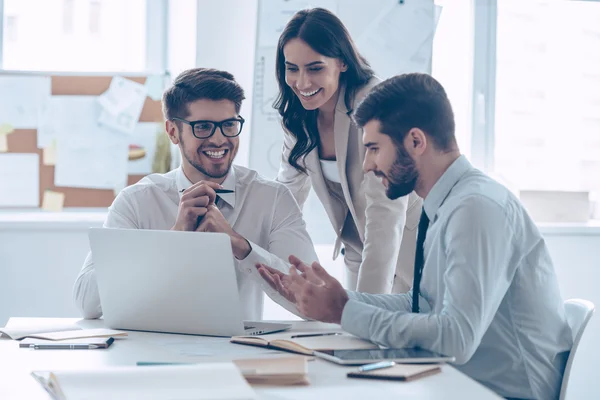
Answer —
387 228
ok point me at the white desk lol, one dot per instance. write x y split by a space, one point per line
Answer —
328 381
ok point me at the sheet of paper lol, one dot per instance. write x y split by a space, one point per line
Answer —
49 154
155 86
215 381
22 98
400 39
142 146
275 14
96 160
121 94
19 180
19 331
123 115
53 201
66 115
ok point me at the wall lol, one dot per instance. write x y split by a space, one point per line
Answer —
41 254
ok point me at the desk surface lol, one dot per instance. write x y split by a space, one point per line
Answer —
328 381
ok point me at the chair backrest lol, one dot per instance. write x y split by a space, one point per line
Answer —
578 313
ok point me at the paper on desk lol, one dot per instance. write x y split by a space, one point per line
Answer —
67 116
400 39
53 201
215 381
21 331
97 160
123 116
19 180
205 347
22 98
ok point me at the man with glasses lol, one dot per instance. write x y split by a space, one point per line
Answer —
209 194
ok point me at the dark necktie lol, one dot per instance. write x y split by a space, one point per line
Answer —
419 260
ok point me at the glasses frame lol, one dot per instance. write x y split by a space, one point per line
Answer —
215 126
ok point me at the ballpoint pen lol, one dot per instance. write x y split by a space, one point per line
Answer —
63 346
217 191
377 365
316 334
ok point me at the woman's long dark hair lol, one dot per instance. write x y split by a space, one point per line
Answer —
327 35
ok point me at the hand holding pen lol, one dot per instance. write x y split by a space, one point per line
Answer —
194 204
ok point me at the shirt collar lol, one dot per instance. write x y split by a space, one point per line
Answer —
229 183
444 185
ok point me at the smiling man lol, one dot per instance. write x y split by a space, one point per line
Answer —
264 222
484 288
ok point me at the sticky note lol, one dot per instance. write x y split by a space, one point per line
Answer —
53 201
50 154
3 143
5 129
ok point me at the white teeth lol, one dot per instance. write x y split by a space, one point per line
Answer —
215 154
308 94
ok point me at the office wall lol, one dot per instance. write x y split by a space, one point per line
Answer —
41 256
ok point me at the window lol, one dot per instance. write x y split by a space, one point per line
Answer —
547 105
452 63
74 35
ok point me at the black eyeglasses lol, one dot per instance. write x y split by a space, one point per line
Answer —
204 129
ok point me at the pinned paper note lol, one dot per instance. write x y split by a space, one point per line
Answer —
155 86
19 180
122 105
53 201
5 129
120 95
49 155
3 144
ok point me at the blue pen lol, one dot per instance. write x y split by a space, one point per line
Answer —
377 365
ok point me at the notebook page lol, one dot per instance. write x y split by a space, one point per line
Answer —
218 381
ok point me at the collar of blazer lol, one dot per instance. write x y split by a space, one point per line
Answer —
358 96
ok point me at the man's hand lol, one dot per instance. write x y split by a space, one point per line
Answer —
194 205
316 294
214 221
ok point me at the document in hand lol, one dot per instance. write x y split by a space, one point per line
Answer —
290 370
215 381
305 345
399 372
73 333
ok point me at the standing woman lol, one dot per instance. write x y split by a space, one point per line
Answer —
322 78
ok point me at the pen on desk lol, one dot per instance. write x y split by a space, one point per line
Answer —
377 365
217 191
63 346
316 334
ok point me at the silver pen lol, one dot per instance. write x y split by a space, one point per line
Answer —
63 346
377 365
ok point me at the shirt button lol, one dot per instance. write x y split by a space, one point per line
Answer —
249 270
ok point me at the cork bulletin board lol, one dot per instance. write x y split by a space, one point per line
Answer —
25 140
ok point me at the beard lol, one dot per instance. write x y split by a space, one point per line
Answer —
209 170
403 175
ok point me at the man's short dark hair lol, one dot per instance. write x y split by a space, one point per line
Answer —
410 101
197 84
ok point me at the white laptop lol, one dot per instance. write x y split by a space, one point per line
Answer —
168 281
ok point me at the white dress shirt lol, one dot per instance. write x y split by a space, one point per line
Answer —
262 211
490 295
